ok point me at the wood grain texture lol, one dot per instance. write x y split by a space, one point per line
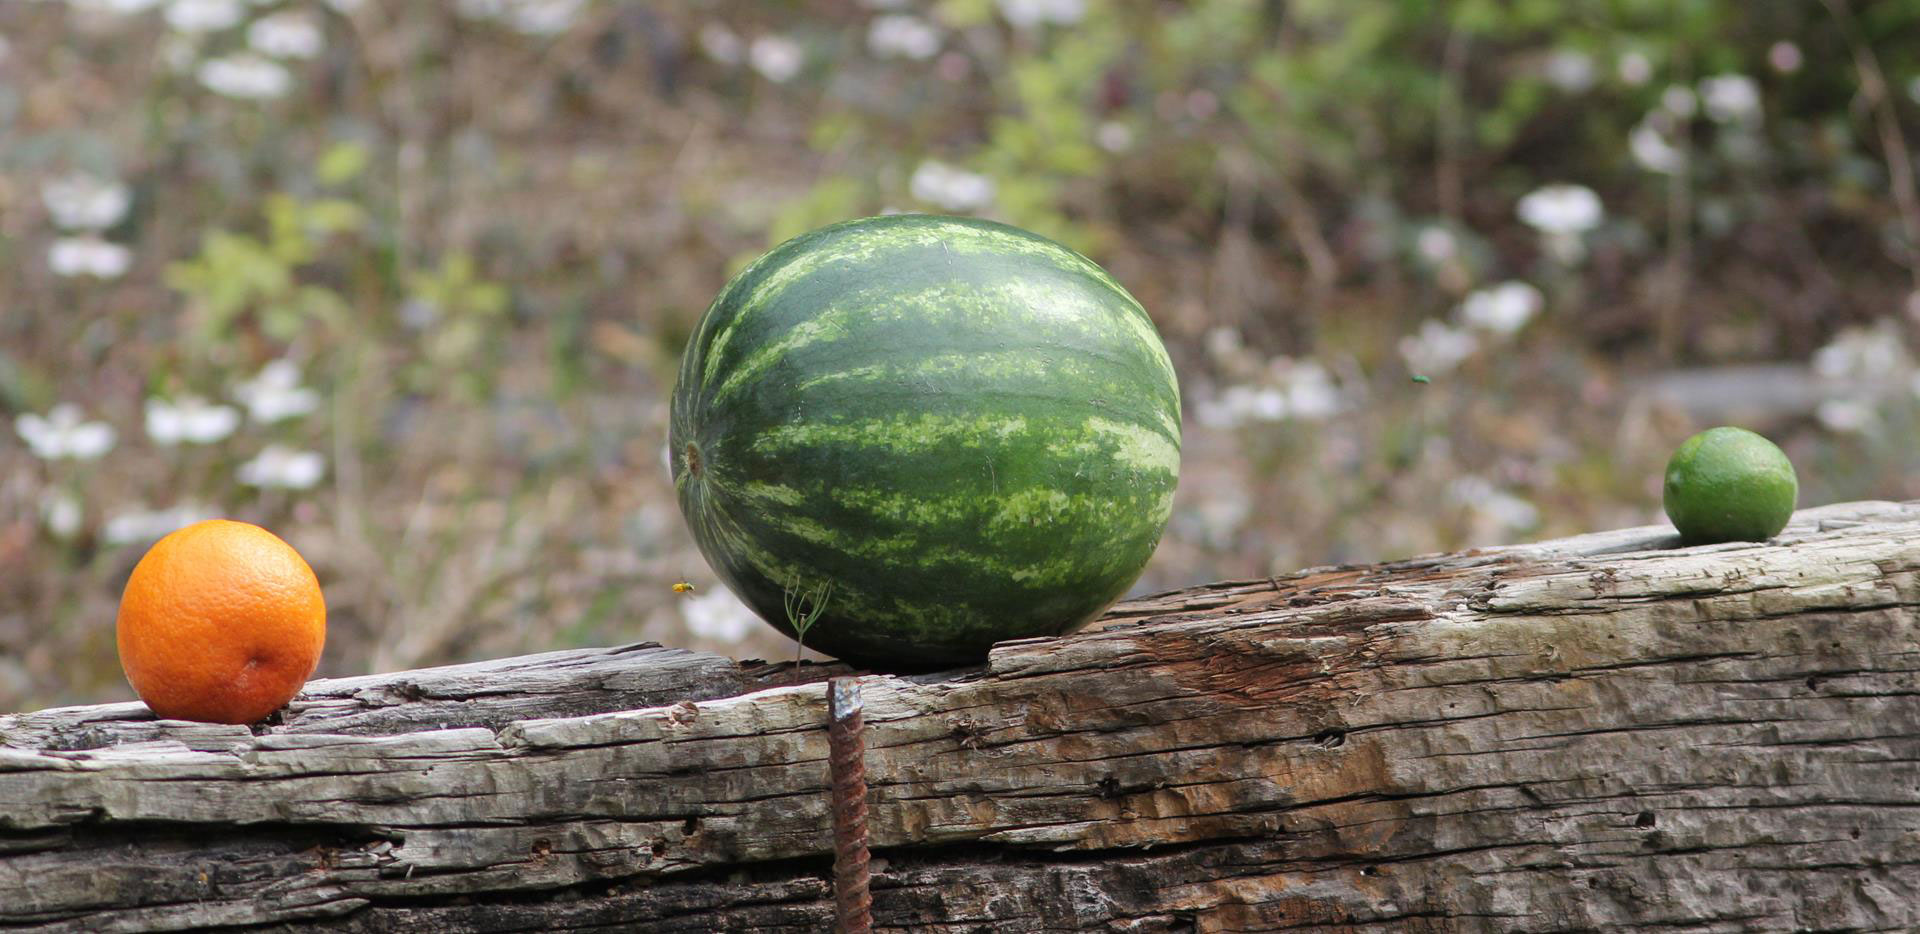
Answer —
1596 733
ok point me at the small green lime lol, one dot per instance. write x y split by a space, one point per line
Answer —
1729 485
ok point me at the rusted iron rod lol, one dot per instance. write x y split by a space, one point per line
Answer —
846 760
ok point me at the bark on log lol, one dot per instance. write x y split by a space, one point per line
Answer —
1602 732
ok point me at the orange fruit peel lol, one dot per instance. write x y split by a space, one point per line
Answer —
221 622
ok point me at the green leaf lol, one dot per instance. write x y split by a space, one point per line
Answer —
281 322
341 163
486 298
960 14
322 304
286 232
333 215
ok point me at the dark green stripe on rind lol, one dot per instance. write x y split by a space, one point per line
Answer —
972 432
916 281
1014 533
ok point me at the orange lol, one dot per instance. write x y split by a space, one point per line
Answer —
221 622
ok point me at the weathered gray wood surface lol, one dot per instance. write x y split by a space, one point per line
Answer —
1595 733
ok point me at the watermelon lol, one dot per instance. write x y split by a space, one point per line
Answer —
946 432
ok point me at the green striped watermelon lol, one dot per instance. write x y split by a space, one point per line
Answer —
968 432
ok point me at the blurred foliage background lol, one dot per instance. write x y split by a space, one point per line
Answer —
406 282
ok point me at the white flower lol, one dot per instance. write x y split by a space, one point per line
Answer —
276 394
286 35
204 15
64 432
246 76
776 58
902 36
190 419
720 44
1023 14
1785 57
281 466
1220 515
1311 393
1871 354
718 615
1238 405
543 17
1512 511
1224 342
1496 504
1026 14
1299 389
1651 149
1680 101
1258 402
1064 12
1265 402
1846 416
1114 136
88 256
1437 348
952 188
481 9
419 313
103 8
144 526
1561 209
1570 70
80 201
1730 98
1503 309
1562 213
1635 69
1436 244
60 510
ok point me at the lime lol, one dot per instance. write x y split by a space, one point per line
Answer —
1729 485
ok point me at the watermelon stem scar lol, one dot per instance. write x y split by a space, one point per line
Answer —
693 457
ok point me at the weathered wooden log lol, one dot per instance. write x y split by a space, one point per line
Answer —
1595 733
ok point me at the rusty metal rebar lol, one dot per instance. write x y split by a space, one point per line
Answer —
846 762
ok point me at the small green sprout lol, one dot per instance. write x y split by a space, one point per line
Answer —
1421 379
803 610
